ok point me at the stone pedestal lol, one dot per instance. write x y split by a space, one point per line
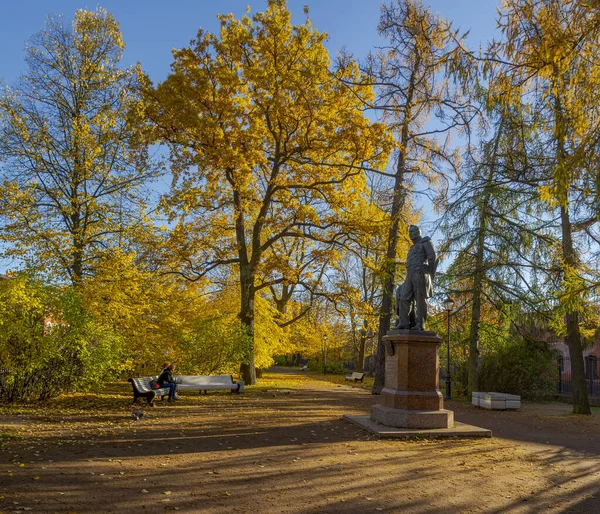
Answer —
411 397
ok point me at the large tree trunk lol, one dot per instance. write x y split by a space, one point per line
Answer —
361 348
478 276
581 403
247 291
76 270
472 363
390 271
390 262
77 266
247 368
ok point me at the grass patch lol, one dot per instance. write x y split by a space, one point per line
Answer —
367 382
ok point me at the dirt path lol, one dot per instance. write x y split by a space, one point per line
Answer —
282 447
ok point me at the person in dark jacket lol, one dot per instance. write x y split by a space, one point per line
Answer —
166 379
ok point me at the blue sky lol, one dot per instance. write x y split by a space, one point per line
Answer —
152 28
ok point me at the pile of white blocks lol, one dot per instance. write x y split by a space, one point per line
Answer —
496 401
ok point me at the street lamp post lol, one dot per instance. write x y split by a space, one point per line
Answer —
448 305
324 354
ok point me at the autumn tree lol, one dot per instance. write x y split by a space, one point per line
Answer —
266 143
296 267
162 317
357 278
497 229
416 74
72 148
549 57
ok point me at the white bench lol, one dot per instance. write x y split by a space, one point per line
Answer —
355 377
208 383
496 401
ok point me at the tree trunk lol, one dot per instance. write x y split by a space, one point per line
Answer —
478 276
390 262
473 373
479 273
78 246
247 291
361 348
390 271
581 403
247 369
77 266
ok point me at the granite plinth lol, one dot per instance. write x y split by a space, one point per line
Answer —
411 373
458 430
411 404
402 418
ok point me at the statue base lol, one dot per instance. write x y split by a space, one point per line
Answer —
402 418
411 397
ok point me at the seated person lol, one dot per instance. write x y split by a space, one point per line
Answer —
166 380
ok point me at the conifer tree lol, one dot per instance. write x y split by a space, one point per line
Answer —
417 76
549 56
494 226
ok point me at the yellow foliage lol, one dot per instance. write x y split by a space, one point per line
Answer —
267 143
269 338
72 139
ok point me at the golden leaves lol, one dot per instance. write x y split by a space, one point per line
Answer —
74 142
267 145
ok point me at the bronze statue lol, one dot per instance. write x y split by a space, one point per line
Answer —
411 296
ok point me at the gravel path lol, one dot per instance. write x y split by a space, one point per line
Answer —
282 447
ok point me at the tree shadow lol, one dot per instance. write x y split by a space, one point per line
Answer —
291 453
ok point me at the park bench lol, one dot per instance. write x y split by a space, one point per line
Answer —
209 383
496 401
143 389
304 368
355 377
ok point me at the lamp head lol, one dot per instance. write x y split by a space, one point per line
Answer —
448 304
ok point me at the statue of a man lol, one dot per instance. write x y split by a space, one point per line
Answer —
411 296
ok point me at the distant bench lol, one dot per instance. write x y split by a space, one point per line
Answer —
143 389
496 401
355 377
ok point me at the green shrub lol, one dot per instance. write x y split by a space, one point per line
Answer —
333 368
48 345
523 367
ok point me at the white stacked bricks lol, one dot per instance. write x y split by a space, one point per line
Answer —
496 401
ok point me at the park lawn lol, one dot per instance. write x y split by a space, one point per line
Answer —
282 447
366 384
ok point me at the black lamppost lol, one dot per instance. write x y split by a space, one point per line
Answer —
324 354
448 305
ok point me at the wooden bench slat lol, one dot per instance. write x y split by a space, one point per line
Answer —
142 389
